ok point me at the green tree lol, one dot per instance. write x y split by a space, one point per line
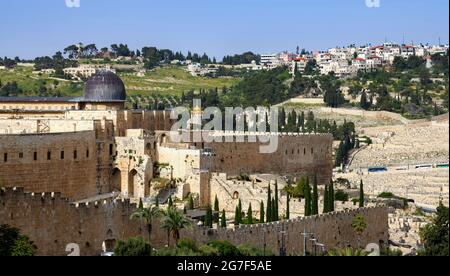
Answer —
331 197
23 247
361 195
308 198
223 220
236 216
435 235
134 247
269 206
13 243
277 214
191 203
326 201
288 212
173 221
250 214
240 211
170 203
365 103
315 199
261 212
359 224
209 218
148 215
216 210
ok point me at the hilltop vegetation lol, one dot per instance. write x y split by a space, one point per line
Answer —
160 82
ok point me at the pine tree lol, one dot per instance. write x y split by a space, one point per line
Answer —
250 215
326 200
276 218
223 220
216 210
331 197
269 206
315 199
361 195
261 212
288 212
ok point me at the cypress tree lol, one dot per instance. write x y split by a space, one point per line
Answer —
240 212
191 203
288 213
141 205
157 201
250 215
315 199
170 202
261 212
216 210
274 215
269 206
209 218
361 195
185 210
223 220
331 197
277 213
236 216
325 200
307 198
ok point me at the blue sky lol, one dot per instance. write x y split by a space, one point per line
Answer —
31 28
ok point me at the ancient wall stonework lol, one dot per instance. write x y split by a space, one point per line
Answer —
61 162
52 222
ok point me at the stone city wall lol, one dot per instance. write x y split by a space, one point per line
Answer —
52 222
61 162
296 154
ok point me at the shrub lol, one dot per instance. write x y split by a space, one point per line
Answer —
134 247
341 196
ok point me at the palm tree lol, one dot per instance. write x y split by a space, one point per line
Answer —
148 215
359 225
173 221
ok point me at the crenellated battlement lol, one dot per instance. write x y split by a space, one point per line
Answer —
333 216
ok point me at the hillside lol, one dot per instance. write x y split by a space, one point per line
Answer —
166 81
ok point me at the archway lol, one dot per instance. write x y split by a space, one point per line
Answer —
109 243
131 182
236 195
116 180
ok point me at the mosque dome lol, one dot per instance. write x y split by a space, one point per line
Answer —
105 86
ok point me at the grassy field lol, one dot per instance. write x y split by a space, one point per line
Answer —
171 81
31 83
167 81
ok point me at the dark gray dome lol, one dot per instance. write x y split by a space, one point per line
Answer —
105 86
